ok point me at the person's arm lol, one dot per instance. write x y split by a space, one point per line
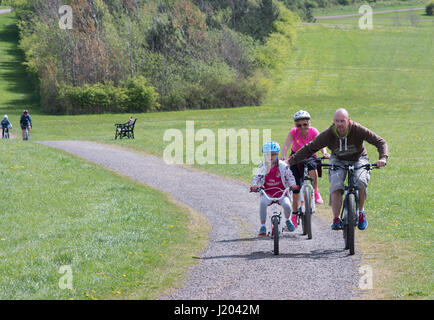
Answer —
323 150
285 149
290 177
325 154
257 180
377 141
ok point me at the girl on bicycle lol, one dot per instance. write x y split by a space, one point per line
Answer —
5 125
274 176
302 134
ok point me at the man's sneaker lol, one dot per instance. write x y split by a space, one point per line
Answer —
294 220
289 225
318 199
337 224
263 231
363 223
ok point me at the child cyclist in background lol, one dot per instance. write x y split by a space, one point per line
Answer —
5 125
274 176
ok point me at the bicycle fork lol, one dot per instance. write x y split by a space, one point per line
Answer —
276 215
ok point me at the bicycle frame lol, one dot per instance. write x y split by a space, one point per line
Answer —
26 134
350 188
276 214
5 133
309 185
306 185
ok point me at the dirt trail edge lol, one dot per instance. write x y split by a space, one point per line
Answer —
236 263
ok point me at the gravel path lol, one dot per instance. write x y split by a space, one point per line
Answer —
237 264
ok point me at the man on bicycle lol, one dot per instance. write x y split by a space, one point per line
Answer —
25 123
5 125
274 176
345 139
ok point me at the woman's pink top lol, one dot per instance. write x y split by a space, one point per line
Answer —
298 141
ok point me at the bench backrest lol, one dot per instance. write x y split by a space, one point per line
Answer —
132 124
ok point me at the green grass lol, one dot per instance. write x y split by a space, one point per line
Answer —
121 239
384 77
15 86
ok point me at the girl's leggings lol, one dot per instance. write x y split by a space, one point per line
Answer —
285 203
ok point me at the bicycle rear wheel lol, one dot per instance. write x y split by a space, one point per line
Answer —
275 223
307 226
351 223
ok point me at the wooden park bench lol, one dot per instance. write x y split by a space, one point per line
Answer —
125 130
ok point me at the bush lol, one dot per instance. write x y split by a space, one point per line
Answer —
86 99
142 96
196 53
134 95
430 8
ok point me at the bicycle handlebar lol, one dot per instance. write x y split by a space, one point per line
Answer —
261 189
368 166
317 160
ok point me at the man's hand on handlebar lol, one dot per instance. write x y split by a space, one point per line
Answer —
381 163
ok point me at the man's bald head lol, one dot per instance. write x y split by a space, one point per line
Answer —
342 113
341 120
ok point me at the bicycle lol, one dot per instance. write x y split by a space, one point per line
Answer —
307 200
5 133
275 229
26 134
350 207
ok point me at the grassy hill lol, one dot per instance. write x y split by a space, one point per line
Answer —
384 77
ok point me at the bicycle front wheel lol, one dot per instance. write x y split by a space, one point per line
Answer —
351 223
275 222
307 226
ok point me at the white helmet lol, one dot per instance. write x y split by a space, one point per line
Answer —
301 115
5 117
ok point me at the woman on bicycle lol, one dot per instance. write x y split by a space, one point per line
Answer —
25 123
302 134
274 176
5 125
